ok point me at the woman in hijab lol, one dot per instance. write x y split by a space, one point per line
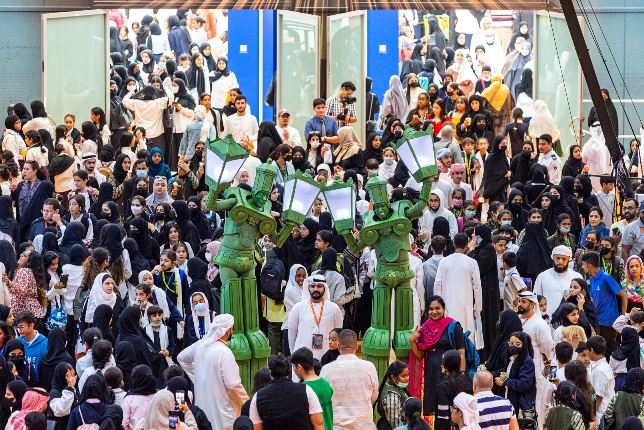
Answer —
268 139
17 389
498 359
394 103
157 166
612 112
144 31
417 58
187 230
20 110
50 243
306 244
543 122
40 119
56 353
92 403
439 36
519 213
30 195
500 103
436 54
159 194
628 351
120 266
97 238
197 75
523 90
14 352
138 261
130 331
198 272
206 51
119 175
199 319
157 413
106 190
9 228
199 219
147 245
102 293
393 131
223 80
300 160
137 400
533 256
373 148
519 63
126 361
568 185
348 153
116 46
183 115
62 395
497 172
179 383
557 206
103 316
574 165
462 73
112 418
523 31
74 235
441 228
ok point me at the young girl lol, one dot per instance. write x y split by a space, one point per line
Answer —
63 139
97 115
182 255
140 142
147 294
334 352
439 116
37 151
72 133
569 314
162 339
199 319
469 214
55 289
388 167
520 380
458 199
174 282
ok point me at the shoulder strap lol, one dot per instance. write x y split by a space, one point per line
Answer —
450 334
80 411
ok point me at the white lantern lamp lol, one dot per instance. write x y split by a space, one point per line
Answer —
300 192
416 151
224 158
341 201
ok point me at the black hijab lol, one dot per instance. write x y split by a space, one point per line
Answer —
98 228
533 256
496 167
105 193
179 383
59 381
8 224
56 353
142 238
441 227
199 219
509 322
629 348
387 135
301 165
519 214
4 312
74 235
148 93
197 270
126 361
38 109
148 68
50 243
526 351
220 73
95 388
112 418
59 164
18 389
143 382
119 173
10 122
116 46
437 55
329 260
557 206
45 138
371 152
78 254
137 260
21 111
117 58
634 381
130 331
187 230
196 76
572 166
183 97
451 53
112 242
210 60
307 244
525 85
417 59
12 345
102 318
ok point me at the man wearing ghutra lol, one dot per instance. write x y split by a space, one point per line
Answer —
312 319
211 365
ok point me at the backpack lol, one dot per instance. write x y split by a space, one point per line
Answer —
85 426
270 280
472 359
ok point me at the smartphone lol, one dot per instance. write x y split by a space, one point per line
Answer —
615 230
180 398
64 278
553 372
173 419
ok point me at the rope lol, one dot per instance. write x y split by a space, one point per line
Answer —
563 81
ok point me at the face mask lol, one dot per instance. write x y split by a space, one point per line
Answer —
514 350
142 191
389 161
298 160
314 143
193 211
526 153
143 303
578 188
208 256
402 385
398 133
141 173
160 215
17 359
288 157
564 230
131 88
136 209
414 84
105 215
517 205
517 47
554 199
113 91
470 214
457 203
489 40
200 307
506 222
156 324
8 403
481 126
590 245
479 240
604 251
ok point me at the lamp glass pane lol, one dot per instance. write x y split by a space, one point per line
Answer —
288 194
339 202
303 197
230 170
407 156
214 165
423 147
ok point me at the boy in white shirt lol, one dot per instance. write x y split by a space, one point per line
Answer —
606 198
602 377
512 282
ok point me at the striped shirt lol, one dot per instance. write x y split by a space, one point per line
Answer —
495 412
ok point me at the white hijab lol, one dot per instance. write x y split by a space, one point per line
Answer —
209 317
98 297
154 199
468 405
465 72
159 295
543 122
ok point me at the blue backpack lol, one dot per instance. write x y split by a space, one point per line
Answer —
472 359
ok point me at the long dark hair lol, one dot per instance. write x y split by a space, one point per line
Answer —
100 113
8 257
412 409
441 103
35 137
35 264
394 369
41 172
458 381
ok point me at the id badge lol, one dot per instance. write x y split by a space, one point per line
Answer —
317 341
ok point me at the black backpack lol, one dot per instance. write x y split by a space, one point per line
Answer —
270 280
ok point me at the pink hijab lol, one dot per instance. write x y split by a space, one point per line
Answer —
212 248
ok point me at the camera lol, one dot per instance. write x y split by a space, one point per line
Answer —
349 100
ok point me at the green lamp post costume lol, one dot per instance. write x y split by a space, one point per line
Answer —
386 228
248 215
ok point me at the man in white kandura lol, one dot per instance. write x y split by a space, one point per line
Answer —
554 283
210 364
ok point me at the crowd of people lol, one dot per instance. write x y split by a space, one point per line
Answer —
527 284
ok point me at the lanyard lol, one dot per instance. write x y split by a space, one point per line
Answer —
222 341
527 319
167 287
315 317
608 267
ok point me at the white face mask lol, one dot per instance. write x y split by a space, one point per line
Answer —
315 143
131 88
136 209
208 256
174 89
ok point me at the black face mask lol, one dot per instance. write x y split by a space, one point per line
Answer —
518 205
288 157
298 160
514 350
193 211
142 191
590 245
113 91
105 215
135 234
398 133
604 251
579 188
481 126
414 84
160 215
526 153
17 359
8 403
554 199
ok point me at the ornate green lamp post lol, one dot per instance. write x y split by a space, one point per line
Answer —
386 229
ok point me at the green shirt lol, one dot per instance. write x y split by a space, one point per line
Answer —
324 392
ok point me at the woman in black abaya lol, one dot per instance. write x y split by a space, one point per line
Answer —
199 219
148 246
306 245
56 353
557 207
497 172
187 230
130 331
533 256
485 256
497 361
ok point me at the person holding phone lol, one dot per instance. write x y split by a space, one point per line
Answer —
164 414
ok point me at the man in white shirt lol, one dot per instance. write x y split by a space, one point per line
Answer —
541 335
549 158
242 125
601 375
355 386
554 283
89 165
289 134
198 32
633 236
458 282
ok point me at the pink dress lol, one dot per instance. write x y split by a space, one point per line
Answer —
24 294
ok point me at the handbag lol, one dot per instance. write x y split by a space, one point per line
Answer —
168 117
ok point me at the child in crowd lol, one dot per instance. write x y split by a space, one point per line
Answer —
606 199
162 339
512 282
